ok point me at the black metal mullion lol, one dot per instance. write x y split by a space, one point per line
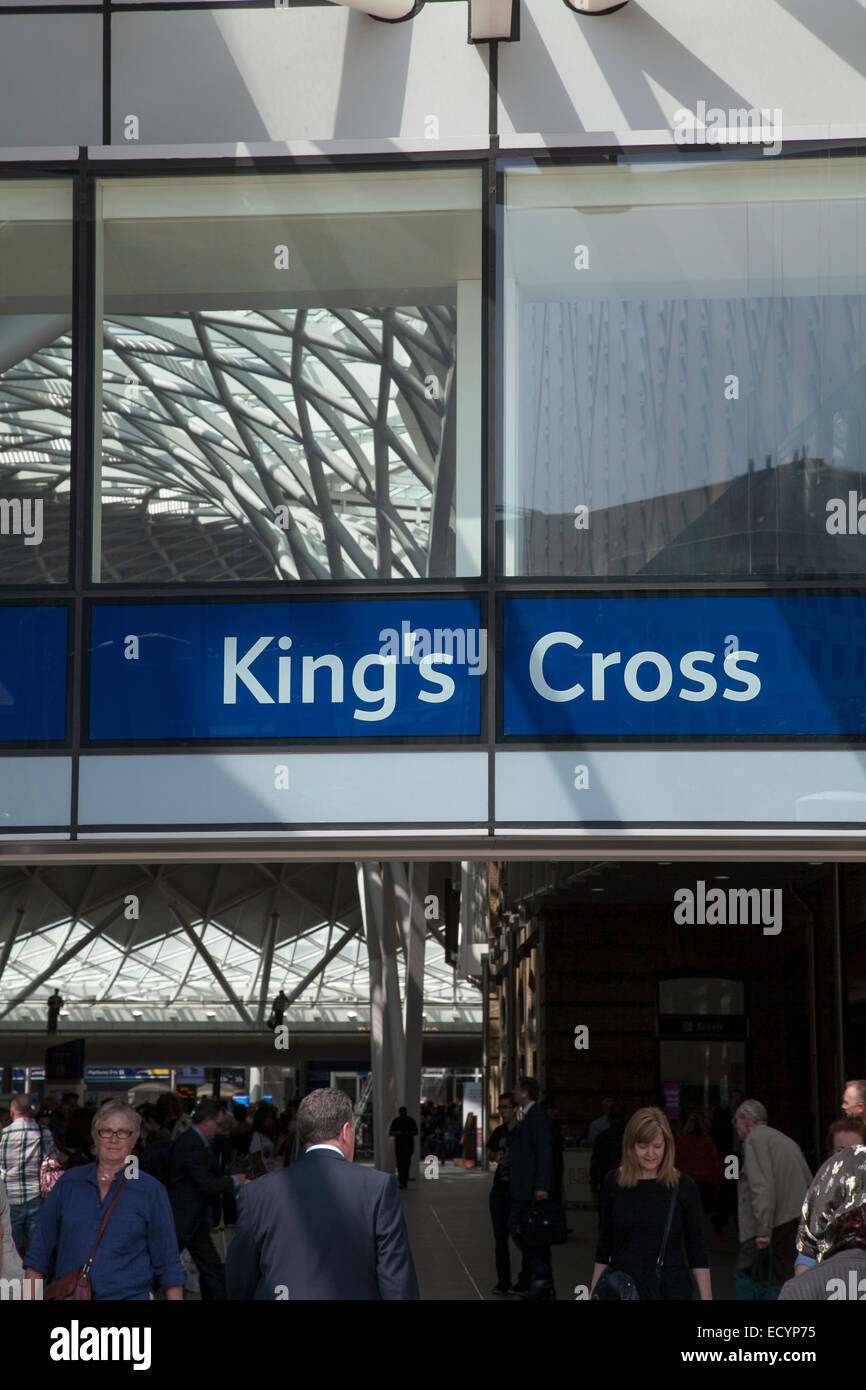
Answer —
82 441
490 443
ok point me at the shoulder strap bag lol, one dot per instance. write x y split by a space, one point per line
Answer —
617 1286
76 1284
659 1272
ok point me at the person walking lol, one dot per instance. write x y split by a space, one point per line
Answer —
697 1155
23 1145
403 1130
637 1202
500 1191
324 1228
774 1180
278 1009
194 1182
831 1238
55 1004
530 1162
138 1247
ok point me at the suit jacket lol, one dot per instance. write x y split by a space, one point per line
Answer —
194 1182
530 1155
323 1228
774 1179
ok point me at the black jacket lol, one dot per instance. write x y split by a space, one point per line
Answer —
530 1155
195 1181
322 1229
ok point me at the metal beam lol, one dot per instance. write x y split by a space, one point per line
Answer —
273 924
322 963
208 959
10 939
370 897
62 960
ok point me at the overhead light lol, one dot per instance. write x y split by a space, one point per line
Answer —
209 1013
598 890
136 1013
721 876
492 19
595 6
391 10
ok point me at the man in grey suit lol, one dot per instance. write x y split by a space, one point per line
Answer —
323 1228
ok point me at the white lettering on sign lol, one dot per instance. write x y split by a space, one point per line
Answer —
646 676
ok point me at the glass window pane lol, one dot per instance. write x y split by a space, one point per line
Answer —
35 380
291 378
690 995
684 364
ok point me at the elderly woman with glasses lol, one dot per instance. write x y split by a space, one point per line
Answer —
138 1247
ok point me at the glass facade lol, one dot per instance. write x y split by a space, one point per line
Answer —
35 380
289 379
266 396
684 350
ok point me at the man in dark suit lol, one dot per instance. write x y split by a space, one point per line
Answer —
324 1228
530 1161
194 1181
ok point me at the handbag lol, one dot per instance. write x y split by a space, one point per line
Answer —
75 1285
615 1285
752 1288
543 1224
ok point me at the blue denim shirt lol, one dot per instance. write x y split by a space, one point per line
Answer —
139 1244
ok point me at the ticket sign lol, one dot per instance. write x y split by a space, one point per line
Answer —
287 670
786 666
32 674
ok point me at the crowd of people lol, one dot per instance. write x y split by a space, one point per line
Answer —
189 1169
654 1191
328 1227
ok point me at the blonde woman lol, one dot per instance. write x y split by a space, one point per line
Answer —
634 1206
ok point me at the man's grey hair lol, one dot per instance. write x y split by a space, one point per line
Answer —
753 1110
322 1114
859 1087
21 1105
108 1108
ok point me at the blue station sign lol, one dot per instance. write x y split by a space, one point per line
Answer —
287 670
710 667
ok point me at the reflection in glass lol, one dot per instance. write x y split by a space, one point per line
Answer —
35 381
290 381
687 351
280 444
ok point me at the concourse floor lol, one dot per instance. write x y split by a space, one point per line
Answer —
451 1235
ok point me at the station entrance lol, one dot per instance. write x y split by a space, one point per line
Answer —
663 982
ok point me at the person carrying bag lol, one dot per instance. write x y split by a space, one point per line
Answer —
616 1285
75 1285
650 1221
